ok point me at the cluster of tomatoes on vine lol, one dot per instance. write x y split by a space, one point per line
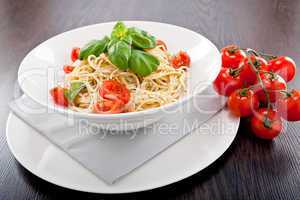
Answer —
255 84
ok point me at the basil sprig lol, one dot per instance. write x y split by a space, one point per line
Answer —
125 49
119 54
74 90
141 39
94 47
142 63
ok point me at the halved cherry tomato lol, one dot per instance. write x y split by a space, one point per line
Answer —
289 106
242 102
109 106
284 66
227 81
75 53
248 74
181 59
114 90
266 124
232 56
162 45
58 95
68 69
273 86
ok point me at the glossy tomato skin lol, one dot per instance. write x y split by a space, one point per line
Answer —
113 90
259 128
232 56
75 53
226 82
68 69
283 66
181 59
242 103
289 106
162 45
109 106
58 95
273 87
248 74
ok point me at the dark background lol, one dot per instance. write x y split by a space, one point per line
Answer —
250 169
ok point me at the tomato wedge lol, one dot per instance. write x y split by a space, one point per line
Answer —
114 90
109 106
58 95
75 53
181 59
68 69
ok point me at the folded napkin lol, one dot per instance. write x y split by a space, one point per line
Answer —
112 155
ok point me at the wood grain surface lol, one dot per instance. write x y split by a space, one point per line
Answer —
250 169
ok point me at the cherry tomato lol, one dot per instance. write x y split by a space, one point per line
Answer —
114 90
284 66
248 74
181 59
232 56
266 125
162 45
242 102
58 95
68 69
227 81
109 106
75 53
289 106
273 85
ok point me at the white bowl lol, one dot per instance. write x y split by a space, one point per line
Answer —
37 72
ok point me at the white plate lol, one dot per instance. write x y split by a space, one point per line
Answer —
187 157
38 71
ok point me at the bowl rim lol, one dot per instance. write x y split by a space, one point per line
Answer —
119 116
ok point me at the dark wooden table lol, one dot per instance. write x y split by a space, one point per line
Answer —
250 169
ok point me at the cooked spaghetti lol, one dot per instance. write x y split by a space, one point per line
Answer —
161 87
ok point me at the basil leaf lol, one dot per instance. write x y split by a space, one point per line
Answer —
141 39
142 63
119 53
119 31
75 88
94 47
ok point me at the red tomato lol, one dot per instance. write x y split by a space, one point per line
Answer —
114 90
68 69
232 56
284 66
273 87
266 125
75 53
289 106
162 45
181 59
226 82
248 74
58 95
242 102
109 106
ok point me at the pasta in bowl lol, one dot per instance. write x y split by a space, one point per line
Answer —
128 78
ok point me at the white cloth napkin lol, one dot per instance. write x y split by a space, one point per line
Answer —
112 155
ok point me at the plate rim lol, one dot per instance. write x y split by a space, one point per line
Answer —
185 175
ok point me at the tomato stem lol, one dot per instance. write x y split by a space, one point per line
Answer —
286 93
260 81
267 122
264 55
243 92
273 75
